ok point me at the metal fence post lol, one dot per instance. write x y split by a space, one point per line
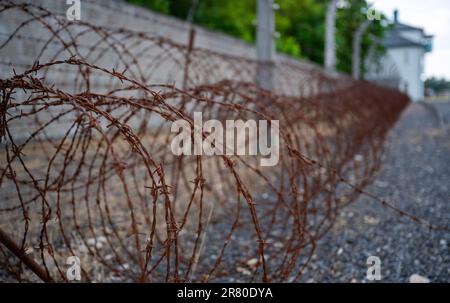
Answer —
265 47
330 39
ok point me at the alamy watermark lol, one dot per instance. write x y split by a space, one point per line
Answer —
73 13
73 273
372 14
374 270
241 138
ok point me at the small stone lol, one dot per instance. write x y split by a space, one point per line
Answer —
340 251
252 262
243 271
381 184
278 245
358 158
371 220
95 242
429 169
102 239
290 279
83 248
415 278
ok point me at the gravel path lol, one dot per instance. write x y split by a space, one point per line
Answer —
415 177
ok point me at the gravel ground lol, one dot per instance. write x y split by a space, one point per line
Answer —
415 177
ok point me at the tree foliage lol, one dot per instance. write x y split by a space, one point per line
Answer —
437 84
350 16
300 24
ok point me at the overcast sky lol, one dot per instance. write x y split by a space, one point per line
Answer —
434 17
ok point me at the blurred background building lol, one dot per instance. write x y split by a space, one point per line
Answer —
402 66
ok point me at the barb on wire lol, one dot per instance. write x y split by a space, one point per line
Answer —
86 169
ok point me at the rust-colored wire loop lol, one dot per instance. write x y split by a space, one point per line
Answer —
87 169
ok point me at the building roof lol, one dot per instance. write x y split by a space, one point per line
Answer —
394 39
403 27
406 27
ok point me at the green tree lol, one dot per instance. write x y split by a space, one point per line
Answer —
349 17
300 23
233 17
161 6
437 84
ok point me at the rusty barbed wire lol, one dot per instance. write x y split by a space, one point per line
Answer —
86 169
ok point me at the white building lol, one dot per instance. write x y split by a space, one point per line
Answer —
402 66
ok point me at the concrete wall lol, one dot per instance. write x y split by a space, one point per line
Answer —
155 63
117 14
409 61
